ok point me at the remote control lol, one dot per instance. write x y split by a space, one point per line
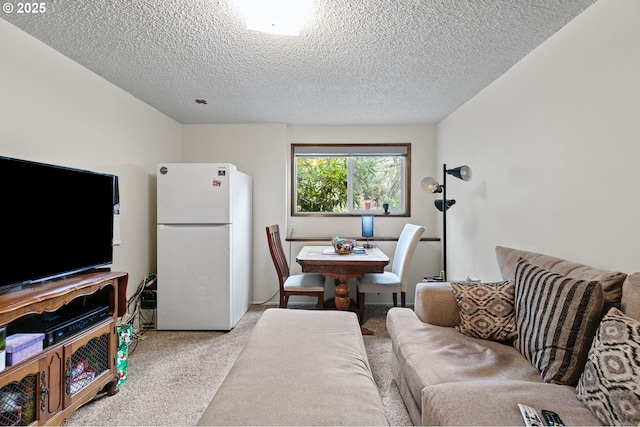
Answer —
551 418
529 415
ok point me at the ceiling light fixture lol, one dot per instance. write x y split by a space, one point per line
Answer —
276 16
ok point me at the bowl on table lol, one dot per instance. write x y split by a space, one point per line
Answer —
343 246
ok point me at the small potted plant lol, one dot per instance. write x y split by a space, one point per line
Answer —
367 202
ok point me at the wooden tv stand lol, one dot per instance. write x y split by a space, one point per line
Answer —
46 388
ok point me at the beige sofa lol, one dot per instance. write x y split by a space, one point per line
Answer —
447 378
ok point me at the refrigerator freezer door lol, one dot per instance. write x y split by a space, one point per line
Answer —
194 290
194 193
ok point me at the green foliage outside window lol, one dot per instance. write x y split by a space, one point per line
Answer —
378 179
323 184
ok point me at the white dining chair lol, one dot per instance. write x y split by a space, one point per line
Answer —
393 281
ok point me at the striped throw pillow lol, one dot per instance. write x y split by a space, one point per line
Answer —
556 317
486 310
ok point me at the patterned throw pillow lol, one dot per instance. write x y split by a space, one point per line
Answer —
486 310
610 383
556 317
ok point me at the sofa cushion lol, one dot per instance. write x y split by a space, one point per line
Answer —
611 281
610 383
557 318
430 354
631 296
486 309
476 403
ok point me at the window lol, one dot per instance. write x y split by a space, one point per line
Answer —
350 179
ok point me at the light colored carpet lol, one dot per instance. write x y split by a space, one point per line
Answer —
174 375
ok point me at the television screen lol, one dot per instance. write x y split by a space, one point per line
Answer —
56 221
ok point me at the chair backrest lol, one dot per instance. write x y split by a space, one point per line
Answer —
407 243
277 253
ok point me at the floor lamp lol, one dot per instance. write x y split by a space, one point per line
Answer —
430 185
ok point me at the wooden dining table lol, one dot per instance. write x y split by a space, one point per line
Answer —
324 260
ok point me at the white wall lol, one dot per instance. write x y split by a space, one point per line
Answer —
54 110
260 151
264 151
554 146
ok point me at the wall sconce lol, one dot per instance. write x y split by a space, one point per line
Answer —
430 185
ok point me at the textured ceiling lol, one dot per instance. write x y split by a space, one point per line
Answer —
355 62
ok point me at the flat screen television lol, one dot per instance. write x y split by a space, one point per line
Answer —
56 221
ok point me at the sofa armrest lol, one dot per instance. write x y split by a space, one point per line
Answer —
435 303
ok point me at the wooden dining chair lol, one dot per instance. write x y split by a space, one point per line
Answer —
305 284
393 281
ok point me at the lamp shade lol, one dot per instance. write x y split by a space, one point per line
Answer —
461 172
367 225
439 204
430 185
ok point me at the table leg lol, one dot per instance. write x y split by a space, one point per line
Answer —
343 302
342 299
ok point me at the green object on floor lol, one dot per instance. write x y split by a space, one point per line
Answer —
122 355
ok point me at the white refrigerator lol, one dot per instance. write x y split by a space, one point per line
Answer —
204 246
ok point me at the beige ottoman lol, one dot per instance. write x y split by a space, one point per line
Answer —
299 367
